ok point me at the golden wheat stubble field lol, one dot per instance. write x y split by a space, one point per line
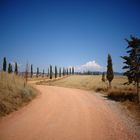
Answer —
93 82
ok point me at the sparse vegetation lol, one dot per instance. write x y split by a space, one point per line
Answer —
13 93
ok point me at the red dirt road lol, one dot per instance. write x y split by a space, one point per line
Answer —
64 114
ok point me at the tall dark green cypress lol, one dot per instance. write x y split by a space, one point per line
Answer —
51 72
63 71
4 64
10 70
59 72
73 70
31 70
110 73
16 68
55 71
37 73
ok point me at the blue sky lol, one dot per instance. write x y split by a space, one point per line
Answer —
67 33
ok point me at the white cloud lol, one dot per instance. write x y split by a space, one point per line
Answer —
89 66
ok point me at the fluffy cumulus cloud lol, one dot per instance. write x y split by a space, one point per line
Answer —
89 66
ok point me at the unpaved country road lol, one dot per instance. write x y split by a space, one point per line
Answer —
64 114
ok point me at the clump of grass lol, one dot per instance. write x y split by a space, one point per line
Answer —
122 93
13 93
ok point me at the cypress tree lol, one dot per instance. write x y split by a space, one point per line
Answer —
67 71
132 62
63 71
51 72
37 72
31 70
59 72
73 70
26 72
48 72
55 72
4 64
110 73
16 68
10 70
70 71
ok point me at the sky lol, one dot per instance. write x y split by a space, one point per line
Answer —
67 33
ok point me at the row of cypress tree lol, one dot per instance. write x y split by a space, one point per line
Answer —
56 73
66 71
10 67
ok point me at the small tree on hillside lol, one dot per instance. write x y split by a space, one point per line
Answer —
55 72
51 72
4 64
110 73
16 68
10 69
132 62
31 70
59 72
103 77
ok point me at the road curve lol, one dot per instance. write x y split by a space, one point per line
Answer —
64 114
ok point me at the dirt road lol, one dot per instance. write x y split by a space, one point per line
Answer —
64 114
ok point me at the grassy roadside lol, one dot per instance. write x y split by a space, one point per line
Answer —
14 93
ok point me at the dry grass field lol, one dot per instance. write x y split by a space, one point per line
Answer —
95 83
13 93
